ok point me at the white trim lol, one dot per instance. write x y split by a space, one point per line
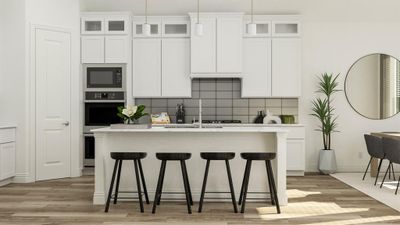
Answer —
21 178
30 176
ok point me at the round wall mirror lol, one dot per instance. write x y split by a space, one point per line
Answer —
372 86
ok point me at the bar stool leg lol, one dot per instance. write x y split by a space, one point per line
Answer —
156 195
146 195
379 169
118 178
243 182
270 184
188 184
245 187
271 173
138 186
203 189
228 171
111 186
384 177
162 182
185 183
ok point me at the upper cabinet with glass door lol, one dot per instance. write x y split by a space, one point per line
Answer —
176 26
105 23
263 26
155 26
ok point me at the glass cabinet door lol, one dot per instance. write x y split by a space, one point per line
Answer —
116 25
91 25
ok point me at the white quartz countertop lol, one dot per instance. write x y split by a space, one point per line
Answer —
242 129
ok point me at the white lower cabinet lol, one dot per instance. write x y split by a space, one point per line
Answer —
147 67
7 153
295 156
161 68
100 49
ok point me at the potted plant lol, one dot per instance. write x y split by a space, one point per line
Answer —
324 112
130 115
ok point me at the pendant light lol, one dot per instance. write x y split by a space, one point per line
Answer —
252 27
199 26
146 26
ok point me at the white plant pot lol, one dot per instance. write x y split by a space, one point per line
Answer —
327 161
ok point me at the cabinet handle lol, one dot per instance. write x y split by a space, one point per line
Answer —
66 123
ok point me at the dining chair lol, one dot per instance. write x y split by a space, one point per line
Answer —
391 148
375 150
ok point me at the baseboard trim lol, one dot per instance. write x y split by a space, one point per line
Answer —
6 182
22 178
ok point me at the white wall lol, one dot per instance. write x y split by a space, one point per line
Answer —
335 34
15 99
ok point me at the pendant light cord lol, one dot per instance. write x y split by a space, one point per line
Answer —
252 12
198 11
145 9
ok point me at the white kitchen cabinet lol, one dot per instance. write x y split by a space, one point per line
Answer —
116 49
116 24
175 26
7 153
286 67
285 29
257 78
229 44
176 81
92 49
204 47
92 25
155 26
109 49
146 67
295 156
219 49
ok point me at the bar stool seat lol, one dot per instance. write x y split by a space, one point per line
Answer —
128 155
217 155
119 157
258 156
225 156
173 156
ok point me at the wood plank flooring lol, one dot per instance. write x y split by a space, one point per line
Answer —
316 200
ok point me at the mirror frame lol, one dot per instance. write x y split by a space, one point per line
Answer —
345 86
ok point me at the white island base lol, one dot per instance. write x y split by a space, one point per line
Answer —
193 140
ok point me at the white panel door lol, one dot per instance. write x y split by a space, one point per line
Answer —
229 44
92 49
117 49
53 74
286 62
176 81
147 67
256 82
7 160
203 48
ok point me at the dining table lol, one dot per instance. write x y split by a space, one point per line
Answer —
375 161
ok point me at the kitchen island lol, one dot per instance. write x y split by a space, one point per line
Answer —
193 140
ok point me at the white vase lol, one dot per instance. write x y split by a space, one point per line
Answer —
327 161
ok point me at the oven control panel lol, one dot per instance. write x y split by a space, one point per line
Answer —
104 95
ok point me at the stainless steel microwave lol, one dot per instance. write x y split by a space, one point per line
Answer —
100 77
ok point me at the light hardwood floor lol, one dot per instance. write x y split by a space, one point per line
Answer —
316 200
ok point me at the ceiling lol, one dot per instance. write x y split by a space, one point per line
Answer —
310 9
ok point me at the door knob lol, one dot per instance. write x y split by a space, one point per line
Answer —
66 123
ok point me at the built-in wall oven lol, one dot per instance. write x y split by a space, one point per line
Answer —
104 91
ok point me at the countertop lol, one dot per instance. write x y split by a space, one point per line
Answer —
242 129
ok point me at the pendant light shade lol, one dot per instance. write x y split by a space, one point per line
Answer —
146 26
199 26
252 27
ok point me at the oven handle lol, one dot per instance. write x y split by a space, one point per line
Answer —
88 135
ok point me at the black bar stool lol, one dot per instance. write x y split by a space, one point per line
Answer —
119 158
264 156
181 157
225 156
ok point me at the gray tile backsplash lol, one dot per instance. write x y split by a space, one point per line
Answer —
220 100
